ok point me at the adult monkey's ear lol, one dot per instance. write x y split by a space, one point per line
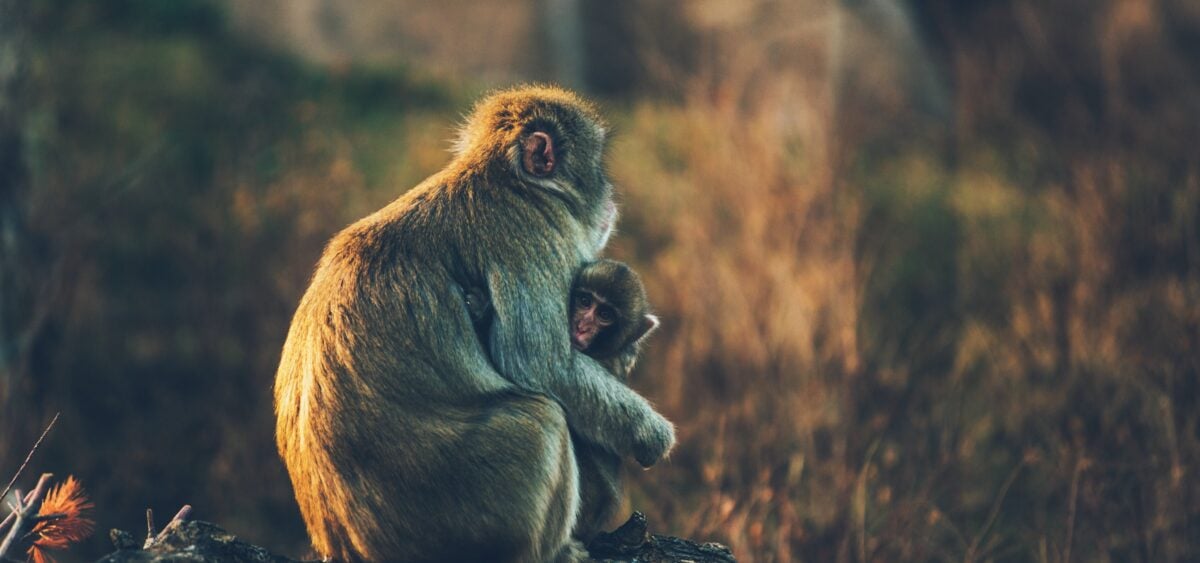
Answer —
537 154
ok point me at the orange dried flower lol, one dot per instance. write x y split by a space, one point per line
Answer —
68 499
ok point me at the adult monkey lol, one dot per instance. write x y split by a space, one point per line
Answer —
405 439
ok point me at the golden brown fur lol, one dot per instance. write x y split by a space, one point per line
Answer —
406 437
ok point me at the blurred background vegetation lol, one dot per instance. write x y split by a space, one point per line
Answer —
929 271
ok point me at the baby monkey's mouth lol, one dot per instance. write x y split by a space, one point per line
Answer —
581 338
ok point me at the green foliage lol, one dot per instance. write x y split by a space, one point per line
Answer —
184 183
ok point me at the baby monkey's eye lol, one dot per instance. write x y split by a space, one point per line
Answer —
583 299
606 314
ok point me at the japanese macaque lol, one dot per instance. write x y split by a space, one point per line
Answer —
406 436
609 314
609 319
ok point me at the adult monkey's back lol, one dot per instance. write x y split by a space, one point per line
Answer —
404 438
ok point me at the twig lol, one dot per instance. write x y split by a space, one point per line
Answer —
150 525
26 517
52 517
153 538
991 519
860 502
30 456
12 513
179 517
1080 463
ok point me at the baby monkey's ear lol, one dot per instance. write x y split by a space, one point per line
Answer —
645 327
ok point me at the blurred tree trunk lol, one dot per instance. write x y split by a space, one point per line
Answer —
563 26
13 186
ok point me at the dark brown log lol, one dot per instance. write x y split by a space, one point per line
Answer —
205 542
632 542
189 540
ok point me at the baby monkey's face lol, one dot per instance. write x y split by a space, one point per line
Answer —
591 314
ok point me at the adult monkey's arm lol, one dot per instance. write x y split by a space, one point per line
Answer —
530 347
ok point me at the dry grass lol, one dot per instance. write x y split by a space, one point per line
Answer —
887 336
876 351
913 362
748 253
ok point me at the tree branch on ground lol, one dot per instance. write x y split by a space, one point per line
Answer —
23 519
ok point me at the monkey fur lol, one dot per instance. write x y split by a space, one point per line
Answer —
613 283
616 346
405 435
616 285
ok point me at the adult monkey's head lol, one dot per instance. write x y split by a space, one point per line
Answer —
550 139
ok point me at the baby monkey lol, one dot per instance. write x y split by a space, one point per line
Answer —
609 319
609 314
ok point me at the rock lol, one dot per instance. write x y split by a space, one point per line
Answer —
123 540
189 541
